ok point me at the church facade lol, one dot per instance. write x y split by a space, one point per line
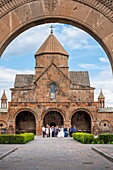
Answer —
54 96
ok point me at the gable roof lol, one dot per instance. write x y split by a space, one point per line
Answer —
79 77
76 77
51 45
23 80
48 69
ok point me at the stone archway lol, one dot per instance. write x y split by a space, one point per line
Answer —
53 118
95 17
82 121
25 122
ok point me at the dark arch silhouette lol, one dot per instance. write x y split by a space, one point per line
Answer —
53 118
25 122
82 121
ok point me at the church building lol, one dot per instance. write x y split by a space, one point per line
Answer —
54 96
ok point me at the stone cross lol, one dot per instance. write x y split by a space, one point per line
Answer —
51 28
1 124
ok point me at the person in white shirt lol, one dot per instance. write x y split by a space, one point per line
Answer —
43 131
47 131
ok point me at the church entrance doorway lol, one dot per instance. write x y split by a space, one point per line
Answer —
53 118
82 121
25 122
52 124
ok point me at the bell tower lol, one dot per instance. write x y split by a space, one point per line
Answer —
4 100
101 100
51 51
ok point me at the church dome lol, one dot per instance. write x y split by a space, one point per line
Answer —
51 46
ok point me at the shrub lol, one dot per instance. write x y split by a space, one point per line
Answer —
84 138
95 141
11 139
27 137
107 138
89 138
16 139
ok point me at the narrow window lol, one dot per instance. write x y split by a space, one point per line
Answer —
53 88
3 105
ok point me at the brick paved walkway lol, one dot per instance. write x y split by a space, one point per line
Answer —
54 154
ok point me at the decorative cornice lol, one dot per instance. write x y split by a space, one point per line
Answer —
103 6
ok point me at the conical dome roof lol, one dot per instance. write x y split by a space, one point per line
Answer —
51 45
101 96
4 97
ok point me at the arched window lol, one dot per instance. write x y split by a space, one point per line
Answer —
53 88
3 105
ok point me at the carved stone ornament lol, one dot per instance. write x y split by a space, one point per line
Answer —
50 5
103 6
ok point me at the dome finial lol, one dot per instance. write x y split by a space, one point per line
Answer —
51 28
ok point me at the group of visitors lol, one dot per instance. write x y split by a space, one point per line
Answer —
56 131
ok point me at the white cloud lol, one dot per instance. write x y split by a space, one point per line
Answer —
7 77
104 60
104 81
30 40
74 38
88 66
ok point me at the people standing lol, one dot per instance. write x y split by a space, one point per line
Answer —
43 131
47 131
61 133
65 132
72 130
50 131
56 131
53 130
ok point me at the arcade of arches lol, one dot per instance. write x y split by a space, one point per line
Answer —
73 90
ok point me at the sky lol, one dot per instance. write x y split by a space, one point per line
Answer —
85 54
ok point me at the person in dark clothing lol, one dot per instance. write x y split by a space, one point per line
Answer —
53 131
65 132
72 130
56 131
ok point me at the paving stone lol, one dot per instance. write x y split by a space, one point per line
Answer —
54 153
